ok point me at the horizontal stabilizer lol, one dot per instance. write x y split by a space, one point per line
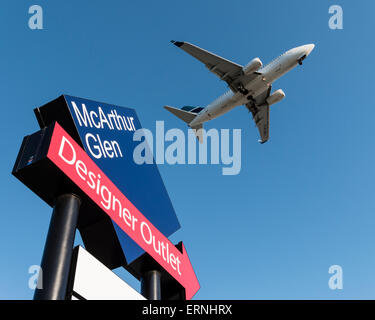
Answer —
185 116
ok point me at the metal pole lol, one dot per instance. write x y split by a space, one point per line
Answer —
150 285
58 249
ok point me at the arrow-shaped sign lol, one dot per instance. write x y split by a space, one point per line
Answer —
71 159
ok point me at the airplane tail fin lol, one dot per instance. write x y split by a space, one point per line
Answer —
187 116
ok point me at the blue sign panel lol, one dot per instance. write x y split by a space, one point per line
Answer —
106 132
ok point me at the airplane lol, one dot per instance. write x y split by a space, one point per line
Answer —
250 85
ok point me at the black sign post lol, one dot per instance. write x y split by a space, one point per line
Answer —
151 285
58 249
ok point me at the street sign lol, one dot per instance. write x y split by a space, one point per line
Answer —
106 134
58 170
74 162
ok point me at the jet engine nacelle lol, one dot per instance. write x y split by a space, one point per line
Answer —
252 66
275 97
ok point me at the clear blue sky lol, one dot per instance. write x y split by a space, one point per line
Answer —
302 202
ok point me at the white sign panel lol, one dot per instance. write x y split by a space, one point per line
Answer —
94 281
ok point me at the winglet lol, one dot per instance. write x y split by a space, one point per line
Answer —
177 43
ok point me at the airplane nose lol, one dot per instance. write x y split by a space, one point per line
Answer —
302 52
308 48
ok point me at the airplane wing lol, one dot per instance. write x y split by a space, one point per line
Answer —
262 121
226 70
261 114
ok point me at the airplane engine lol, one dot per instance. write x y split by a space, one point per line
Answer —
275 97
252 66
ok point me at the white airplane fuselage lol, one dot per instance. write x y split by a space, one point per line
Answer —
269 73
